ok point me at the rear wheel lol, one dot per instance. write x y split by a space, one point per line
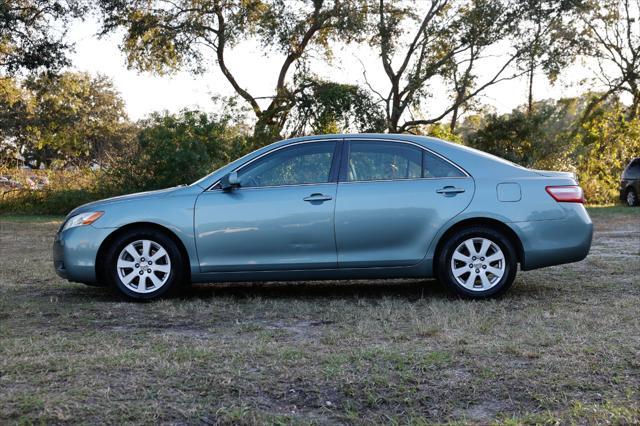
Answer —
144 264
631 198
477 262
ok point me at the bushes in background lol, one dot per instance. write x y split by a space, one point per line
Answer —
173 149
168 150
604 147
48 191
559 135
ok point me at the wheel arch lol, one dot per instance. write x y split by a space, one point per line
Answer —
481 221
100 267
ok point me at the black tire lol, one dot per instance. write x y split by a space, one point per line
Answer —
445 274
176 275
631 201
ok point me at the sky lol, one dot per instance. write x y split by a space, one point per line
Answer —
144 93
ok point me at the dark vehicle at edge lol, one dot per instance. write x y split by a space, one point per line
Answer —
630 183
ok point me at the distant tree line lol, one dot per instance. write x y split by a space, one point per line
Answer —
50 117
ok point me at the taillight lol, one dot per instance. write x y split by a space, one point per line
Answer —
566 194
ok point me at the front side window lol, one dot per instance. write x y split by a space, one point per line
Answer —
383 161
299 164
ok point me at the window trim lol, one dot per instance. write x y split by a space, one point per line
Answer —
340 157
345 161
333 172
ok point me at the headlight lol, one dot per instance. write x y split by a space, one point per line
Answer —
82 219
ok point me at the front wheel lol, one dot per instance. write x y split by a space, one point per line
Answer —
144 264
477 262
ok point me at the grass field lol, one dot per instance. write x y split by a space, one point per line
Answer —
563 346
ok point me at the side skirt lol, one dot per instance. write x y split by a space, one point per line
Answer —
420 270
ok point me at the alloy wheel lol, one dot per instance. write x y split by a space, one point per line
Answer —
478 264
143 266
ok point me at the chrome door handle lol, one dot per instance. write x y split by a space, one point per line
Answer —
450 190
317 197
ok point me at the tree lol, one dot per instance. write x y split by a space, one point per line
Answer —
72 119
535 138
164 36
606 142
548 34
173 149
448 42
327 107
612 28
14 110
569 134
32 34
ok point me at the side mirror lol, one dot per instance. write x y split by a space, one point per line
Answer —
230 181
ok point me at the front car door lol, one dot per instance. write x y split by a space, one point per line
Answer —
281 216
392 199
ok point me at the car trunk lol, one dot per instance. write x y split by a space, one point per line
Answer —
552 173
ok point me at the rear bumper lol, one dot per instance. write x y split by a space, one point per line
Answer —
555 242
75 251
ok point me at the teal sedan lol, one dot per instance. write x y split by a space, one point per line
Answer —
334 207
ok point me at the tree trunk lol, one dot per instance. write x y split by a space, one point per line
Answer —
530 96
454 118
393 123
265 132
396 111
635 104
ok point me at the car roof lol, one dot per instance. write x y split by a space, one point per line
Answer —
475 162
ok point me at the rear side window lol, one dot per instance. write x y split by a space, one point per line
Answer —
383 161
436 167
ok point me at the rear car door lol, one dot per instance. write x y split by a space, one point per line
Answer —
392 199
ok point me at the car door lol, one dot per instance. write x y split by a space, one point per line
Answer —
281 216
392 199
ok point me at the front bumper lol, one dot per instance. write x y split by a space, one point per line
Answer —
75 251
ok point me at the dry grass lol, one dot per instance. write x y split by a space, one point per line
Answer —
562 346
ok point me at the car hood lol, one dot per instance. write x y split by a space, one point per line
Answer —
100 204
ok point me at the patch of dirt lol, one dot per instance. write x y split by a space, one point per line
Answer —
482 412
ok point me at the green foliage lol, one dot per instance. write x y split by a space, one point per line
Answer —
612 34
556 135
64 190
70 119
548 37
443 132
324 107
13 113
30 34
446 43
605 145
165 36
168 150
518 137
176 149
